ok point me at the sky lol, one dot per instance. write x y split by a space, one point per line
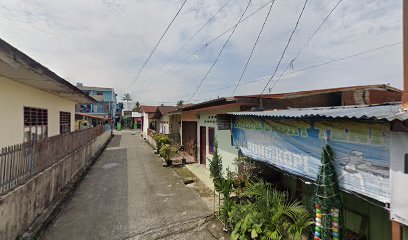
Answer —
105 42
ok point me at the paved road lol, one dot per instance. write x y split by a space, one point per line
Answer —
129 195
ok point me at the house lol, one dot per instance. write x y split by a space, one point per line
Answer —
370 156
162 113
202 123
149 120
199 129
43 102
84 120
105 105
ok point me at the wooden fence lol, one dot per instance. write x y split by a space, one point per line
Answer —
21 161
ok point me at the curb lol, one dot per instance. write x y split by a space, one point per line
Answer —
48 215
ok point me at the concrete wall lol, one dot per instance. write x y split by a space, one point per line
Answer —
151 141
399 193
225 149
15 96
145 124
20 207
164 127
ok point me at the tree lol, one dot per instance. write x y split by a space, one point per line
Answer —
136 108
126 97
180 103
216 163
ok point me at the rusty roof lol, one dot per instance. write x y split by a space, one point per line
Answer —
148 109
323 91
166 109
388 112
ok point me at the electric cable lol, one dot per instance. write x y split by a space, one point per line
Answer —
306 68
192 38
222 49
157 44
198 51
253 47
305 45
286 47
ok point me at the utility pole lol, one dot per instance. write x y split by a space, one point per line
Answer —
396 226
404 103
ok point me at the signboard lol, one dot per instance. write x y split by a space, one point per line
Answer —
361 150
136 114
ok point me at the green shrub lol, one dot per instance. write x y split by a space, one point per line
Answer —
269 214
216 163
161 140
167 151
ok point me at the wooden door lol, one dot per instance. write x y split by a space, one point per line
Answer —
189 134
203 145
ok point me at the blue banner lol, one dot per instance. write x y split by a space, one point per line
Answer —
361 149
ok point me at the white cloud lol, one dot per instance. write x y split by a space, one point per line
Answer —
104 43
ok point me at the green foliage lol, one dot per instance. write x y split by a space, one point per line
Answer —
216 163
225 187
167 151
247 173
127 97
269 214
327 188
161 140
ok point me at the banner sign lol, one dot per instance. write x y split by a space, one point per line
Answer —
361 149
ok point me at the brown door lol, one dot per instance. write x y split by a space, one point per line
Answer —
190 137
203 145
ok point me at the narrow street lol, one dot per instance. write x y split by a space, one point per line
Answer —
129 195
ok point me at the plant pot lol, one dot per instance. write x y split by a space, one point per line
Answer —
169 162
183 161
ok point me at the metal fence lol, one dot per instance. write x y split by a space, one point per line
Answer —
21 161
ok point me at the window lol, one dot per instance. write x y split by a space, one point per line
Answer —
65 122
211 140
99 93
406 164
35 124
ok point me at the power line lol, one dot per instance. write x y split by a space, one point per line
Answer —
306 68
216 38
157 44
253 47
306 43
194 35
286 47
222 49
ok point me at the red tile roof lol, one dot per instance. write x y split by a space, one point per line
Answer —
166 109
322 91
148 109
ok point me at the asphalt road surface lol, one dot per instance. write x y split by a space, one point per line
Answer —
129 195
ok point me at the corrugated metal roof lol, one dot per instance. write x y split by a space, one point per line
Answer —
376 112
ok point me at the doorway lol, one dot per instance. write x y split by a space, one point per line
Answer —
203 145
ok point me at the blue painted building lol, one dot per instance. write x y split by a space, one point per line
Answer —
106 101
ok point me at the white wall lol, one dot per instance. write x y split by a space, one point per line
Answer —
145 124
15 96
399 179
225 149
164 127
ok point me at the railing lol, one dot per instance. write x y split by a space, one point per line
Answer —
21 161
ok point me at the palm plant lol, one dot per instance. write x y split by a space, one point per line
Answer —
271 214
127 98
